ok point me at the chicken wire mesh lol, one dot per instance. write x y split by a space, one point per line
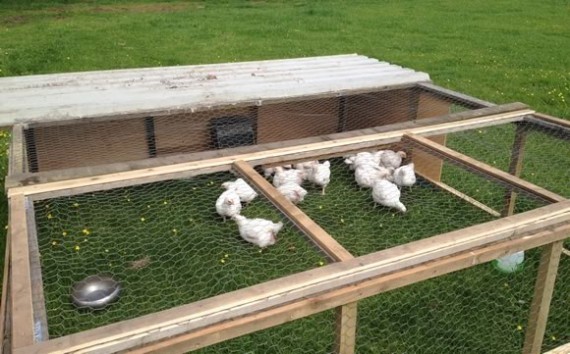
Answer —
349 212
164 242
63 145
475 310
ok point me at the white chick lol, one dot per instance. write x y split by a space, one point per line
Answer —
404 176
244 190
269 171
260 232
363 158
293 192
305 165
228 204
387 194
389 158
366 175
283 176
320 174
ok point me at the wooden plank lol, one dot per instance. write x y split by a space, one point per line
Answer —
306 307
463 196
121 179
43 177
484 168
554 120
17 155
470 101
566 252
552 129
38 300
543 290
563 349
229 306
515 166
5 291
316 233
21 284
345 327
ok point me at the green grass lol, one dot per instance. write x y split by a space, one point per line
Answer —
500 51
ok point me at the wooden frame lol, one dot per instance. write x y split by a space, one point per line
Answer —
336 285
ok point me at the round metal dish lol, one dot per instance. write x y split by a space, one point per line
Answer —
95 291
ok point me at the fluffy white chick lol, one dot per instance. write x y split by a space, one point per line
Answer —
363 158
305 165
228 204
366 175
320 174
293 192
391 159
387 194
404 176
260 232
244 190
283 176
270 171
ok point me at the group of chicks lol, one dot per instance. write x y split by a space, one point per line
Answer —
260 232
288 179
383 172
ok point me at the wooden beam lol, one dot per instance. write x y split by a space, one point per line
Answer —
550 119
563 349
17 155
346 315
315 149
515 166
456 96
553 129
5 291
463 196
543 290
39 306
271 294
566 252
21 284
309 306
484 168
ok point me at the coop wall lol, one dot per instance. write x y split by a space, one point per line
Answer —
87 144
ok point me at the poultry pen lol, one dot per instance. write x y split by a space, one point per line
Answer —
128 188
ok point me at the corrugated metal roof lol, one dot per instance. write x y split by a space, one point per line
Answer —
131 91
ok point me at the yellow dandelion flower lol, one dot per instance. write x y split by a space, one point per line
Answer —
106 250
553 338
49 216
77 248
222 260
341 220
165 202
174 231
148 206
143 219
260 250
54 243
519 327
6 227
320 206
128 199
321 263
76 205
64 233
226 255
86 231
193 188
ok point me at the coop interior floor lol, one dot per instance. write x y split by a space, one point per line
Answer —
164 242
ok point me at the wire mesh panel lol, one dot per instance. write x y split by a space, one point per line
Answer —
164 242
544 152
461 197
558 326
313 334
56 146
477 310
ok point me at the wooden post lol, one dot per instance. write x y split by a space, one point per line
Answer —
515 166
543 289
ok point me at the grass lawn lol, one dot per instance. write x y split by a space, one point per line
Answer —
498 51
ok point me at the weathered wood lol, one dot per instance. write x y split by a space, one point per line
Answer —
566 252
543 290
183 319
346 315
306 307
21 285
5 291
16 155
44 177
515 167
122 179
484 168
39 306
463 196
470 101
554 120
563 349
